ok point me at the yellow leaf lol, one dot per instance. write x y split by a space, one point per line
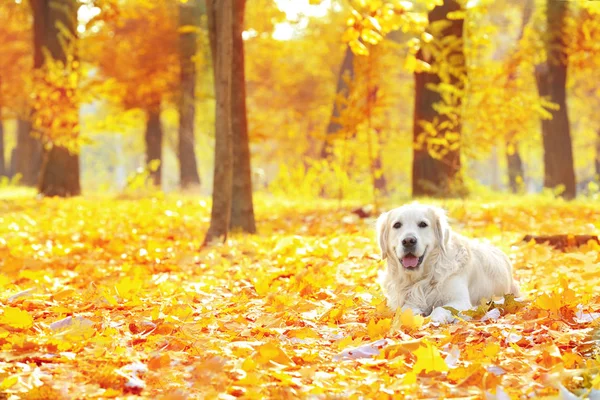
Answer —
345 342
249 364
370 36
596 382
271 352
63 294
16 318
549 302
262 286
188 29
407 320
454 15
491 349
9 382
409 378
429 359
128 288
358 48
379 329
304 333
410 63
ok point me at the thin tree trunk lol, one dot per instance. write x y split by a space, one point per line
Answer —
59 175
221 20
154 136
189 16
516 176
3 171
514 162
341 94
437 176
551 79
242 207
27 155
380 181
13 166
597 163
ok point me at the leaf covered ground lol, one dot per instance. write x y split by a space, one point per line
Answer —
105 297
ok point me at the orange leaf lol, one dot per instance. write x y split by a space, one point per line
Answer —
159 361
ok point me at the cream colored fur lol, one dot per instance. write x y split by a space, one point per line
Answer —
455 271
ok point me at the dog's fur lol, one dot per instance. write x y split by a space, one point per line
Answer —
454 271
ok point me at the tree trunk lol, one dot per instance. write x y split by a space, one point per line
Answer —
551 79
3 171
516 176
154 135
438 176
13 166
380 181
597 163
242 207
342 92
59 174
221 22
27 155
189 16
514 162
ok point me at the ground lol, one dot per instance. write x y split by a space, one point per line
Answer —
113 297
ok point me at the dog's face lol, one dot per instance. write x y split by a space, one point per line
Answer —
409 233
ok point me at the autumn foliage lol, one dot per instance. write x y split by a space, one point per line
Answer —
306 119
97 305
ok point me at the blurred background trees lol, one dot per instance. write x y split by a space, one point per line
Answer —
325 98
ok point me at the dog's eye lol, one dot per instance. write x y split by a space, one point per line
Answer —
423 224
398 225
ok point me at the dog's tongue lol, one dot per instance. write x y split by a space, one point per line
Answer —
410 261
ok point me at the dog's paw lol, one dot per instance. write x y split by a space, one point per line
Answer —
440 316
415 310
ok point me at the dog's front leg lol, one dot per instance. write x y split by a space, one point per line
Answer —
456 296
415 310
441 315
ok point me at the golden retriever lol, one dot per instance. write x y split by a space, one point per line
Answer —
429 266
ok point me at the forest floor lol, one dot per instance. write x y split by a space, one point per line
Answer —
112 297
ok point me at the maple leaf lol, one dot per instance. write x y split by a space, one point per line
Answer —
159 361
405 319
271 352
511 305
378 329
550 302
429 359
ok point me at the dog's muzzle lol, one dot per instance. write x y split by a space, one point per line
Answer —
411 262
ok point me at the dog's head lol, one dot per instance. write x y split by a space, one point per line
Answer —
409 234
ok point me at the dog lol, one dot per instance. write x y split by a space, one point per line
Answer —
430 267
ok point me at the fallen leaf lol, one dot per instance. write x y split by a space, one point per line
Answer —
16 318
429 359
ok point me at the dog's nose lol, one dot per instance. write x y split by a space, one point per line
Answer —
409 241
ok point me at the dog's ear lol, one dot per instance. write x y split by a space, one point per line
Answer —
382 234
441 227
